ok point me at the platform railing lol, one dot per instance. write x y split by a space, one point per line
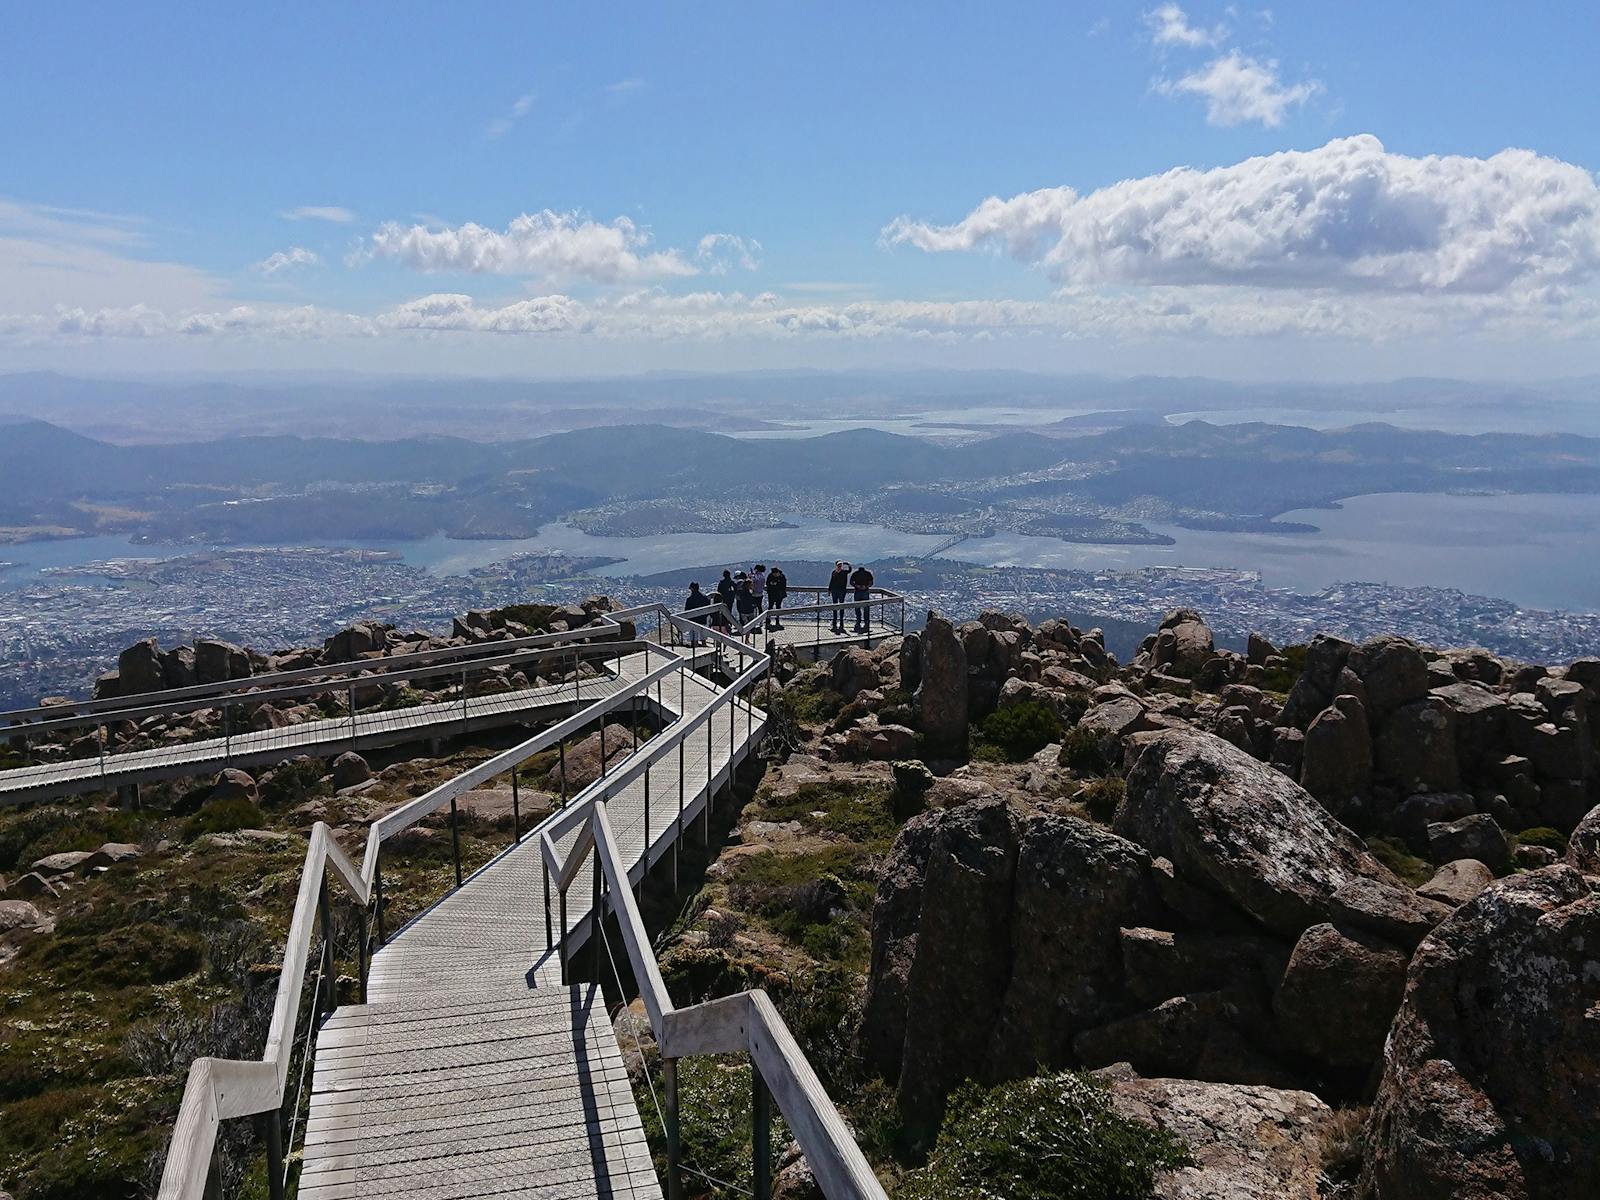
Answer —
345 687
747 1023
222 1089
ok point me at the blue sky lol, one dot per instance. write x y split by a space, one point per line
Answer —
540 189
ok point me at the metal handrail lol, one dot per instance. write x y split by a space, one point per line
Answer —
747 1022
219 1089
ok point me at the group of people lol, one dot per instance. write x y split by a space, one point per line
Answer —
760 589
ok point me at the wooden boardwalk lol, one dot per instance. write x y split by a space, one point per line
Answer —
472 1071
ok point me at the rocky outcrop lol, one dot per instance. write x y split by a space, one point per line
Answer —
1077 887
1336 757
139 668
1235 825
1583 848
1247 1141
350 769
940 701
959 975
1491 1076
1339 994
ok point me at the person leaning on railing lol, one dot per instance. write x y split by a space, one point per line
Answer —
696 599
861 582
838 584
777 589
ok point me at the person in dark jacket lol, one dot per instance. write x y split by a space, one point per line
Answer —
777 589
838 584
861 584
696 599
725 589
745 599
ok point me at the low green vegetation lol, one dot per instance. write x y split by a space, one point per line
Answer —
1052 1137
1396 855
1281 679
1542 835
715 1107
1081 753
1016 733
1102 797
859 811
224 815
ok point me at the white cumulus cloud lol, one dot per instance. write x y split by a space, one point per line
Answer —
1169 26
719 252
520 107
282 260
545 244
1237 88
1349 215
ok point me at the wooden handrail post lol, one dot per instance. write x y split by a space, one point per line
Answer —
760 1134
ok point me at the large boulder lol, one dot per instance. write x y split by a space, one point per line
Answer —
217 661
1457 882
1339 994
1240 827
139 668
1416 747
853 670
1314 690
1491 1079
896 916
234 784
1077 885
1583 847
1336 757
958 978
1476 836
1393 672
350 769
940 701
1183 643
1247 1141
177 667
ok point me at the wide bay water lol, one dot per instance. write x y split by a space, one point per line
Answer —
1542 551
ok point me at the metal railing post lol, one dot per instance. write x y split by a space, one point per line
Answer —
377 899
463 695
324 1008
516 810
350 698
549 937
561 756
669 1083
361 956
273 1121
455 840
563 943
760 1134
595 917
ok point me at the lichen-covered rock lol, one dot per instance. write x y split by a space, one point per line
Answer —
1314 690
1476 836
896 916
1457 882
1491 1080
1339 994
1583 847
853 670
940 701
1393 672
958 977
350 769
1336 758
1076 886
139 668
1416 747
1248 1142
1241 828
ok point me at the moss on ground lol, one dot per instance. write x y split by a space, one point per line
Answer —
1394 854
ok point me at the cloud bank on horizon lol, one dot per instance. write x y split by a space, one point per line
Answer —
1345 240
